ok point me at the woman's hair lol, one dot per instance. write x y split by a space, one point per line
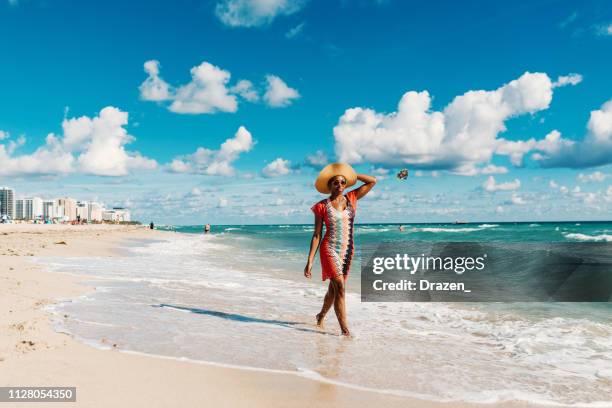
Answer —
332 179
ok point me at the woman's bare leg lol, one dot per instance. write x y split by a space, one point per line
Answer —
327 303
340 304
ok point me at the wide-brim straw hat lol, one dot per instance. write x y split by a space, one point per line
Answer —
332 170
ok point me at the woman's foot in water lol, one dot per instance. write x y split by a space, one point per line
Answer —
320 317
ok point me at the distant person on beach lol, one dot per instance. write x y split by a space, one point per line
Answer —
151 225
207 228
338 213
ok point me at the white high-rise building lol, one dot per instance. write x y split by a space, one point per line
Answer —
7 203
95 211
29 209
20 209
70 208
51 210
82 211
32 208
59 210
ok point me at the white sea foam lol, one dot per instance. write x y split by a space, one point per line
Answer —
480 227
369 230
435 229
204 299
585 237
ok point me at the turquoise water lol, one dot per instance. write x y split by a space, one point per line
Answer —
294 236
238 297
285 247
290 243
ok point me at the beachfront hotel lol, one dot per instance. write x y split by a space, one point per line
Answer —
58 210
7 202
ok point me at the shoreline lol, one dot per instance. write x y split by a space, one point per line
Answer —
32 353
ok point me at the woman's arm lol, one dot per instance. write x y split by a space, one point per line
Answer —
369 182
314 245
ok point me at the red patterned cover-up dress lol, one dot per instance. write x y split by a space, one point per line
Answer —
337 247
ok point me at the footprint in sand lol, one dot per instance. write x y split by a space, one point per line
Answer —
25 346
17 326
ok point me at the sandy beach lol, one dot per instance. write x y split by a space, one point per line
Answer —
33 354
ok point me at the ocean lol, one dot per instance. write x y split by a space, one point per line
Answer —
238 297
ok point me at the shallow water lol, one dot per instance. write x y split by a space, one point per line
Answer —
238 297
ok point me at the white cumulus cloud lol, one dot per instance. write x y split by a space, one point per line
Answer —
460 137
254 13
595 149
488 169
278 93
318 159
210 91
206 93
517 200
105 141
571 79
47 159
154 88
551 144
215 162
88 145
491 185
276 168
246 90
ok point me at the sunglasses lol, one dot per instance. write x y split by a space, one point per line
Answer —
339 182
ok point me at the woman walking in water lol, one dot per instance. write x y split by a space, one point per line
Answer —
338 213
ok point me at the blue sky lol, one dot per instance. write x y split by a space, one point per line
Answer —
306 65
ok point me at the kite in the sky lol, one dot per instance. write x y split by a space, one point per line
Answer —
402 174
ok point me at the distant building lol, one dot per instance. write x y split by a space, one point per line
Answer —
20 209
56 210
51 210
7 202
70 208
59 210
33 208
95 211
82 211
117 214
29 209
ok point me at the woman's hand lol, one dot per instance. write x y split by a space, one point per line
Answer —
314 245
369 182
307 269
